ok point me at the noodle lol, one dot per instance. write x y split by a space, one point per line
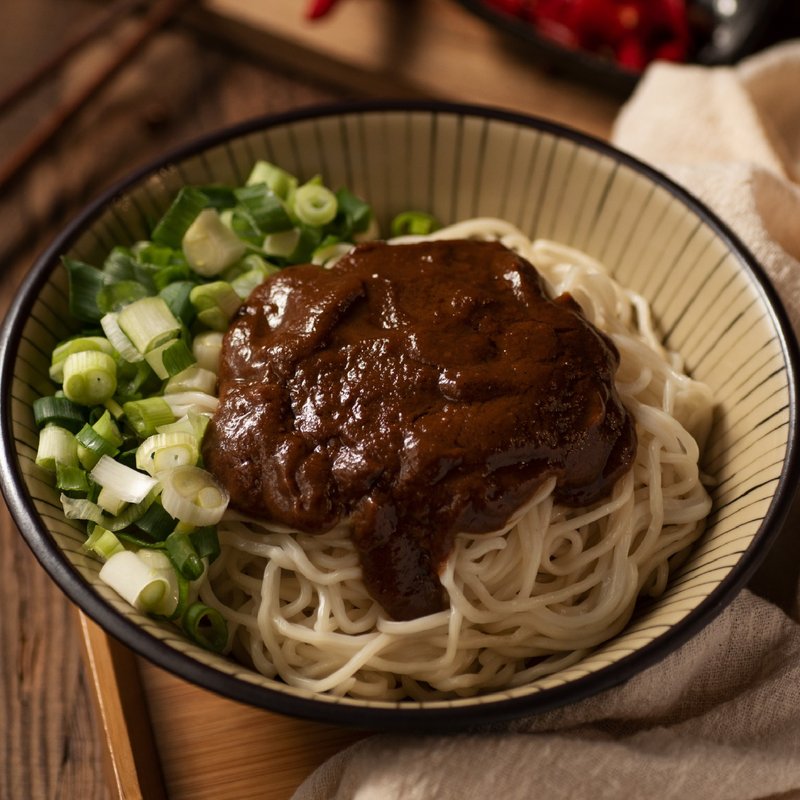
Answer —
525 601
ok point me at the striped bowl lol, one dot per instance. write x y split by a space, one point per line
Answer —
708 296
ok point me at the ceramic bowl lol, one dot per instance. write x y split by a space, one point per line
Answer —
709 298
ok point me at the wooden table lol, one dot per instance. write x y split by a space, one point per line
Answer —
80 716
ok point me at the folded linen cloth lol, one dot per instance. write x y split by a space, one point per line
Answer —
720 717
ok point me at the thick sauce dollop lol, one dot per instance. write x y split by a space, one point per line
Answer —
416 390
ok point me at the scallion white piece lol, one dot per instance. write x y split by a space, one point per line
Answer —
148 323
56 446
164 451
122 344
210 246
126 483
193 496
143 586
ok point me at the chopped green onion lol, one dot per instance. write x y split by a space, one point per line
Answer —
170 359
146 415
354 215
266 211
281 245
314 205
163 451
176 296
90 377
207 348
184 402
78 344
206 542
278 180
193 496
126 483
149 323
92 445
58 411
71 479
192 379
210 246
206 626
156 522
102 542
216 303
183 555
115 335
172 227
83 508
56 446
143 586
115 296
415 223
85 282
110 502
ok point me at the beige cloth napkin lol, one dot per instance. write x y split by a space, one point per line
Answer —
719 718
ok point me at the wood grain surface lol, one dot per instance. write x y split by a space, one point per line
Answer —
80 716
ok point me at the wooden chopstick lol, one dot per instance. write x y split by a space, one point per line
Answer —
158 15
103 20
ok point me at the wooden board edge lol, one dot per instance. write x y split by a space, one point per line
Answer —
132 762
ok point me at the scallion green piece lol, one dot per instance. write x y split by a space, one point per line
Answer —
156 522
103 543
176 296
146 415
71 479
278 180
183 555
115 296
58 411
314 205
206 626
171 228
206 542
216 303
90 377
171 358
414 223
354 215
266 210
92 445
85 282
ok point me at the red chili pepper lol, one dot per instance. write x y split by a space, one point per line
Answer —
318 8
632 32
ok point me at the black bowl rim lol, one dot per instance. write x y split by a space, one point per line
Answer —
395 718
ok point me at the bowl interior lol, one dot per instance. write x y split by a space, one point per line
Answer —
710 303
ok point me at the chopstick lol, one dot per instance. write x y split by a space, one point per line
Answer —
47 67
159 14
